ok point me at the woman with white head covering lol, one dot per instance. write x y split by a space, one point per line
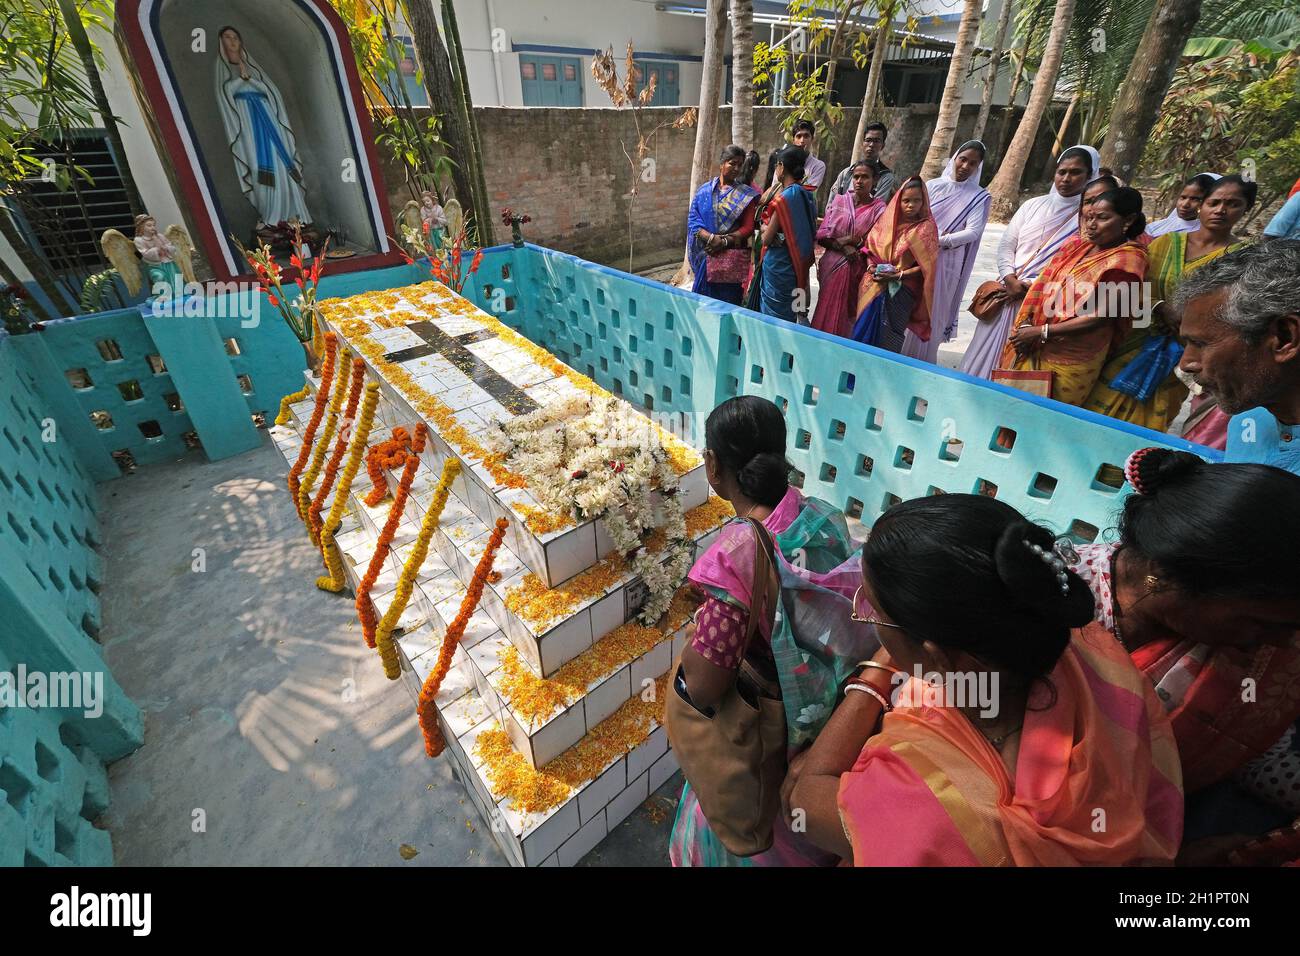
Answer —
1184 217
1038 229
960 206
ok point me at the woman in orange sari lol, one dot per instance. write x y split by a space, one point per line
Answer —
1085 300
897 291
1029 742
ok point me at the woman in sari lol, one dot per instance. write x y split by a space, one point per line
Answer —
718 228
1138 383
897 291
1201 590
745 463
843 233
1184 216
1085 300
1102 184
1027 727
1038 229
780 284
960 206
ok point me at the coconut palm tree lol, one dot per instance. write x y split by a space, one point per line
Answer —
995 62
950 106
1005 187
742 73
715 35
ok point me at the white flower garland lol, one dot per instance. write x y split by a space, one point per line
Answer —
592 456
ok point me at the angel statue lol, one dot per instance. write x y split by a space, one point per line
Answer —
426 217
165 255
257 129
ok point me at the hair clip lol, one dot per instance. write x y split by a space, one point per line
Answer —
1133 470
1053 560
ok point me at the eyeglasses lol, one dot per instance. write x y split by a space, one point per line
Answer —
853 614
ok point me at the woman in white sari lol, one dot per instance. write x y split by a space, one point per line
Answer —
1038 229
1184 217
257 128
960 206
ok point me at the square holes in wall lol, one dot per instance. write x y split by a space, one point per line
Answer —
151 430
863 466
917 408
686 347
600 296
787 362
668 358
602 330
618 355
733 385
837 431
796 477
191 439
756 374
875 419
245 384
684 386
505 270
985 487
631 307
615 318
783 403
802 439
904 458
633 378
130 391
649 368
102 420
156 364
735 344
604 364
108 350
1082 532
259 419
125 460
853 509
827 473
618 386
951 449
79 378
889 502
1109 478
848 381
649 332
935 490
1003 440
666 393
232 346
669 321
631 343
811 395
1043 486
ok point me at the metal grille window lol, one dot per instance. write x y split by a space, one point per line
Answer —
66 223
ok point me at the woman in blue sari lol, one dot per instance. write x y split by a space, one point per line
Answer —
780 286
718 228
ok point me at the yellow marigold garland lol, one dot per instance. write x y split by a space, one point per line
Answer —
434 744
309 433
322 446
329 547
365 606
292 398
405 583
336 457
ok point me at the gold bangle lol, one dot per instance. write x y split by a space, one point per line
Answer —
880 666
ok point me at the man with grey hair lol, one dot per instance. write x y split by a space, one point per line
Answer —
1241 326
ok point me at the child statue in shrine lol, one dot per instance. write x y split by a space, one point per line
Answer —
257 128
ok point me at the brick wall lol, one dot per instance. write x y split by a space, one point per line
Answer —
566 169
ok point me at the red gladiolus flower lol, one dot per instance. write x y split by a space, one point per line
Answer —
274 301
580 473
478 258
295 260
425 226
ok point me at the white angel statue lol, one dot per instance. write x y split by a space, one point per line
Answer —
165 255
257 128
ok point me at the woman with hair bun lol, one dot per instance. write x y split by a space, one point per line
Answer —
1203 589
744 459
1085 300
1061 723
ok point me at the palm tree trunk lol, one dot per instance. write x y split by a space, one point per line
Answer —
1059 142
715 34
742 73
1006 184
945 126
81 43
995 62
875 74
438 83
1018 62
461 77
1149 74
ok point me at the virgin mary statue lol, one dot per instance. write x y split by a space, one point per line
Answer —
257 128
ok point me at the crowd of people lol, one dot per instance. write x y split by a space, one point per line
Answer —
1081 309
966 687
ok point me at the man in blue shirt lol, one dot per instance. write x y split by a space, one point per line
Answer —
1286 224
1241 325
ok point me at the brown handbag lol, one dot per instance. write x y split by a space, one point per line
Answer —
735 760
988 301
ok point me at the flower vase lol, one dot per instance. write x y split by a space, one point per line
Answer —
312 357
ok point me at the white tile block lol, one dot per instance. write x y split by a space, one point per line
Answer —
647 752
543 836
564 642
652 665
584 841
621 807
593 797
607 614
606 697
662 769
557 736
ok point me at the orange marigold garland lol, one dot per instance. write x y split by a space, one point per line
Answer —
292 398
387 454
365 606
340 447
309 433
405 584
335 581
327 436
427 710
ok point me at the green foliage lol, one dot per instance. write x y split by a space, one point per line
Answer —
96 289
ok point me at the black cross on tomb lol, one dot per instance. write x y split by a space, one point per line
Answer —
452 347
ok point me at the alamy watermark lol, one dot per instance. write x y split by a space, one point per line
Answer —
63 690
216 300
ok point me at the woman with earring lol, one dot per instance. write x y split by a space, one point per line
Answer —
745 462
1021 727
1201 590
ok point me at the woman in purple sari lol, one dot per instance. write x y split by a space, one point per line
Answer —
960 207
718 228
842 235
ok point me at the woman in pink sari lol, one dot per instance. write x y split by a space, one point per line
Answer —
1029 742
842 235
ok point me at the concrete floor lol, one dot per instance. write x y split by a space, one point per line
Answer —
266 717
